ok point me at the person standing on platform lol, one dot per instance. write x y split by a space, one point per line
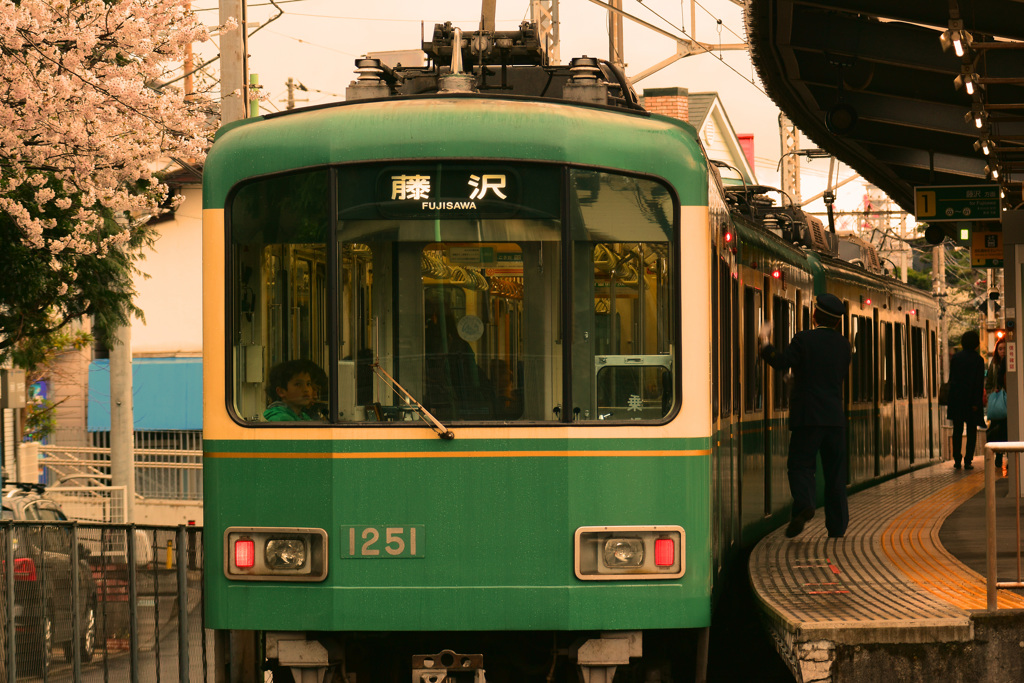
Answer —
966 394
995 380
820 360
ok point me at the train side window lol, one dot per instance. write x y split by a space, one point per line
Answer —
917 362
887 369
622 282
278 229
856 357
781 334
753 316
900 375
867 367
934 364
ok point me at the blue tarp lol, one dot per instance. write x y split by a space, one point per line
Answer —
167 394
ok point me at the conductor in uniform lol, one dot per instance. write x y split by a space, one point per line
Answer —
819 359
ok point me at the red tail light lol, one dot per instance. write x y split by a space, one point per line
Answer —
245 553
664 552
24 569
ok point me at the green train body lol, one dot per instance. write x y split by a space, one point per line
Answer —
569 290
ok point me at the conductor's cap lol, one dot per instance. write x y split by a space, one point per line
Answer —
831 304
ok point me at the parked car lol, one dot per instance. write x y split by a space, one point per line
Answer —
44 600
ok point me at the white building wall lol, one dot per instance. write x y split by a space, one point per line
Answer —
171 297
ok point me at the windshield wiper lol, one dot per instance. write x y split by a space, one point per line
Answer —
424 414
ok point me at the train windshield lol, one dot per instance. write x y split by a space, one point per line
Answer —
491 292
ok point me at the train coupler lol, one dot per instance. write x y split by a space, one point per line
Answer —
448 667
598 658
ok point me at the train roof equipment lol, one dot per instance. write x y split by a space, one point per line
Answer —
495 63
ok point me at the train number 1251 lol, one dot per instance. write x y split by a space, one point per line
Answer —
383 542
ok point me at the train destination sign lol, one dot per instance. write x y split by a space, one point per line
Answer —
945 203
449 190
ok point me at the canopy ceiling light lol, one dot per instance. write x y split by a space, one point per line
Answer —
978 115
983 145
968 80
956 37
992 170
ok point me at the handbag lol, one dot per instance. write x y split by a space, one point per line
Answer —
944 394
996 408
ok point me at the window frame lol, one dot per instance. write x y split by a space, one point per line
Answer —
564 306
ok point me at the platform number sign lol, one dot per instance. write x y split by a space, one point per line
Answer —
939 203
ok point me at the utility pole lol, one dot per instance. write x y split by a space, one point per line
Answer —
790 141
234 82
615 47
292 86
544 13
122 421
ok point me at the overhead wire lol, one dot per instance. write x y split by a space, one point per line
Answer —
694 41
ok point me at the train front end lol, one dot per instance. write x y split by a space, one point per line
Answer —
498 459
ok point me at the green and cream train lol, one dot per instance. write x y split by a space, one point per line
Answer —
537 431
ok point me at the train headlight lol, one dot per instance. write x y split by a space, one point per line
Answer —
285 553
628 553
275 553
623 552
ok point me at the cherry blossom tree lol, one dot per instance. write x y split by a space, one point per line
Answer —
92 108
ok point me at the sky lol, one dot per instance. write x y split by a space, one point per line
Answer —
316 42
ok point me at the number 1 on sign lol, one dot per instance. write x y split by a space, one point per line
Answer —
925 204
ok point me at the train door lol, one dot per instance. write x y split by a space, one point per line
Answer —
777 447
726 511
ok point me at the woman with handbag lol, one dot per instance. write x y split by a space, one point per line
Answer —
995 389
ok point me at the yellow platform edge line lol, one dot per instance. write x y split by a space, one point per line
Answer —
911 542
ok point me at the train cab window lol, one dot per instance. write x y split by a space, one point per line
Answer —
445 280
279 229
622 274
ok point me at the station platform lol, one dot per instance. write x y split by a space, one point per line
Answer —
890 600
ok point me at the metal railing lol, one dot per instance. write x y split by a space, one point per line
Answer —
102 602
165 474
1009 449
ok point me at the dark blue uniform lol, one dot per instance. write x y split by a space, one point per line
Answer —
820 359
966 388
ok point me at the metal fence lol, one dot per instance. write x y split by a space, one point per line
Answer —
165 474
102 602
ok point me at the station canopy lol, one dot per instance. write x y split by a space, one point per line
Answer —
882 86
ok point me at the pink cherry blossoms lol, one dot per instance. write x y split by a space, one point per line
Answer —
86 120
